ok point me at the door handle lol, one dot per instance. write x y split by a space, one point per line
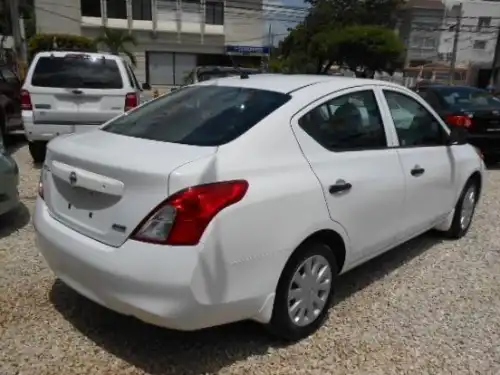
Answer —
77 91
340 186
417 171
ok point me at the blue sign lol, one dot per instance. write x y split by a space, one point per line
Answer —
247 50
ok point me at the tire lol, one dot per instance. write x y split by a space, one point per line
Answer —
38 151
459 228
282 325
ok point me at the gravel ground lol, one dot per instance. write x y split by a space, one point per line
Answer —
428 307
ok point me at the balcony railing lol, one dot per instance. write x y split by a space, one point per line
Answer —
190 16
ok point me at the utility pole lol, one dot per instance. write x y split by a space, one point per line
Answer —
457 26
496 60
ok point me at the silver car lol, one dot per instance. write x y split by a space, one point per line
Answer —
9 181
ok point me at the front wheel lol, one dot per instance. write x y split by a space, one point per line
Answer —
38 150
464 211
304 292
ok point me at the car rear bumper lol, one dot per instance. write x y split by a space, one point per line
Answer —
157 284
8 201
46 132
489 144
9 181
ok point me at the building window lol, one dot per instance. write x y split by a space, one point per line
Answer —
483 23
91 8
214 13
169 68
117 9
141 10
479 44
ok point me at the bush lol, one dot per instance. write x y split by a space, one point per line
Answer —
64 42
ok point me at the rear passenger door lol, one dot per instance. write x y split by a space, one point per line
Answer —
346 143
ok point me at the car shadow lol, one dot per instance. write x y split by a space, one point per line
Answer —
161 351
13 221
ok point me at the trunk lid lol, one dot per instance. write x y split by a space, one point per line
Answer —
102 185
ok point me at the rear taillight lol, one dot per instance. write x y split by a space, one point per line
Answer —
183 217
131 101
26 101
459 120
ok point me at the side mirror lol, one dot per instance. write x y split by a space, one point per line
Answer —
457 136
146 86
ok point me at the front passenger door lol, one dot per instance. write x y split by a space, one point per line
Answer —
427 162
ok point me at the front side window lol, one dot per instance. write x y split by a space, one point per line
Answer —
415 125
77 71
199 115
348 122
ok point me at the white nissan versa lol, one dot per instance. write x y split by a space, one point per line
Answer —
244 198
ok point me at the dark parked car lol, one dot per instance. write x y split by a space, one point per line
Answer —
475 110
10 103
9 181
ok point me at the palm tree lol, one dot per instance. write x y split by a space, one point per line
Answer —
116 42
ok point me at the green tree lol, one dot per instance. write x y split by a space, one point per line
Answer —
116 41
306 44
362 48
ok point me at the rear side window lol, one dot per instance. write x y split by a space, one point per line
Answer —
78 71
199 115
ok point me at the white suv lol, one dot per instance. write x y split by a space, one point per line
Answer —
72 92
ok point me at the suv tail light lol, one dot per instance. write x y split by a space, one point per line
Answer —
26 101
459 120
131 101
184 216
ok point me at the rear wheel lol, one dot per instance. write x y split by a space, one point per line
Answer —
38 150
464 211
304 292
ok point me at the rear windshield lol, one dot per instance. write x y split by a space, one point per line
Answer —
78 71
199 115
467 97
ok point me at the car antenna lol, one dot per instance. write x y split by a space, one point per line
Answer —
243 75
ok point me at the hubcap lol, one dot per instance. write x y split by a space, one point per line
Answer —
309 290
468 205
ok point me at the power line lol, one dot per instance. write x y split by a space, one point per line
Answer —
274 6
257 16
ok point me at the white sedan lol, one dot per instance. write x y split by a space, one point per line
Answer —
245 197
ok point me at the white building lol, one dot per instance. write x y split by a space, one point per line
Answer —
173 35
478 32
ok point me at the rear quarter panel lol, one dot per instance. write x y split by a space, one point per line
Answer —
253 239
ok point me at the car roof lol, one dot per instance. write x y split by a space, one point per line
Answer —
286 83
91 54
